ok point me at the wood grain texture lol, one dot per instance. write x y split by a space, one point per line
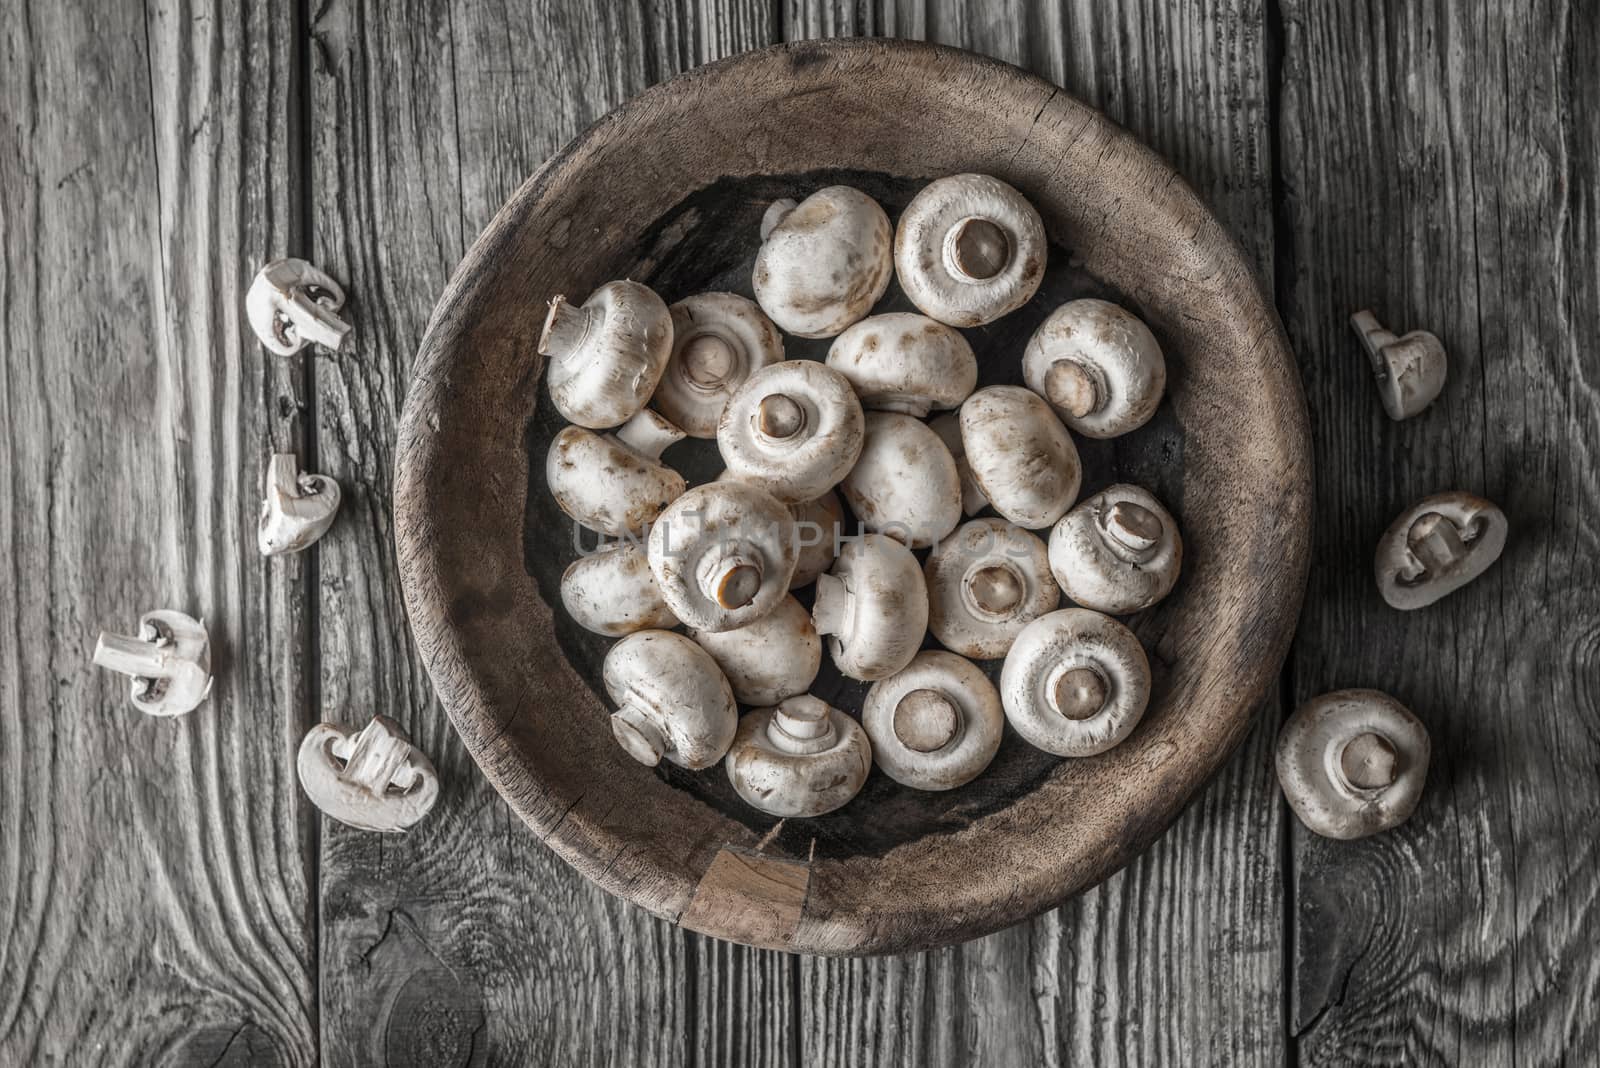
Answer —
1178 959
154 874
426 116
1440 165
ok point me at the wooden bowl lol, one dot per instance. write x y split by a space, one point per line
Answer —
669 190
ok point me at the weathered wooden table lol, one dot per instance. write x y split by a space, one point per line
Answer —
168 896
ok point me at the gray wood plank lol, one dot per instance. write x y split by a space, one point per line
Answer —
1178 959
467 941
154 874
1440 161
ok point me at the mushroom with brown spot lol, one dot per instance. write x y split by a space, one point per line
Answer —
794 428
718 341
986 582
775 657
1437 546
802 758
672 700
824 262
723 554
1410 370
905 483
902 362
1021 457
612 592
372 779
1117 552
607 356
936 724
1075 682
969 249
1098 365
614 483
1352 763
873 605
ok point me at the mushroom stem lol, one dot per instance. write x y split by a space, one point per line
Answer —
639 737
648 433
708 361
776 212
1368 762
1069 386
377 761
1436 543
312 320
134 656
802 725
565 328
1080 693
977 249
994 589
731 579
1374 338
926 721
779 416
283 476
830 612
1132 527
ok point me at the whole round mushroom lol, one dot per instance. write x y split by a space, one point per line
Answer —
936 724
1437 546
672 700
775 657
1075 682
1117 552
606 356
1352 763
970 249
986 582
902 362
794 428
1021 457
718 341
905 483
802 758
612 592
1098 365
614 483
818 532
723 554
873 605
823 262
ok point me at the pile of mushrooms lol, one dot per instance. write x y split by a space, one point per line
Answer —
761 568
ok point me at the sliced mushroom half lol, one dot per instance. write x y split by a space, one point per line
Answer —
1352 763
1437 546
1410 370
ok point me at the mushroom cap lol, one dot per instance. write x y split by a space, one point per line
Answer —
948 427
1075 683
1099 367
1352 763
1437 546
373 779
873 605
723 554
794 428
970 248
611 591
718 340
1117 552
903 362
905 483
775 657
606 358
673 700
1020 455
935 724
605 485
986 582
802 758
824 263
818 528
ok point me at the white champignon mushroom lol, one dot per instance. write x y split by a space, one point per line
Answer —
297 508
607 356
1075 683
672 700
169 662
986 582
1410 370
793 428
718 340
902 362
1098 365
1352 763
613 592
873 605
970 249
775 657
373 779
948 427
824 262
1437 546
292 304
818 530
614 483
723 555
1117 552
1021 457
905 483
802 758
936 724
